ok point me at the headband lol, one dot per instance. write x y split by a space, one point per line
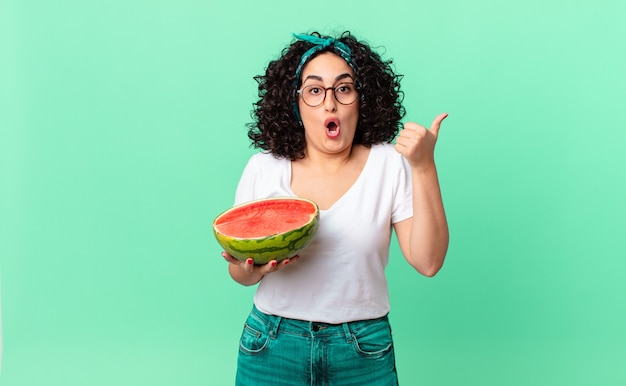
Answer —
319 44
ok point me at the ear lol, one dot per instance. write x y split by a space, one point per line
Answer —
295 108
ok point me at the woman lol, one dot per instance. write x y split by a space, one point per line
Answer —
328 112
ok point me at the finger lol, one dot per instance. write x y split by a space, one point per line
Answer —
229 258
248 266
289 260
409 134
434 128
271 266
411 127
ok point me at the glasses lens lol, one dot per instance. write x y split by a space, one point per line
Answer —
345 93
313 95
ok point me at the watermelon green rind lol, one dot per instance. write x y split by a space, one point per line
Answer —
272 247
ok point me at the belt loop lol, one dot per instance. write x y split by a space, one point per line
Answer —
347 332
275 324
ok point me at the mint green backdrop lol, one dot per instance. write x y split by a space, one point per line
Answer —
122 130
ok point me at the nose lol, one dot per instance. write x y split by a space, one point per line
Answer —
330 103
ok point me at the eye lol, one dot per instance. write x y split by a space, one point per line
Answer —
314 90
344 88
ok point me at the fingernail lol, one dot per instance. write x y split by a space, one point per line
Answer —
273 263
249 261
223 254
286 262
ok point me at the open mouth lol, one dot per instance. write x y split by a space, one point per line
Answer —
332 127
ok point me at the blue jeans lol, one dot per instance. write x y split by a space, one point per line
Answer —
276 351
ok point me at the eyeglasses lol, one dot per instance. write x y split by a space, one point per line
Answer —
314 95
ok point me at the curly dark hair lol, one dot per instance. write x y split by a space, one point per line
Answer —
276 128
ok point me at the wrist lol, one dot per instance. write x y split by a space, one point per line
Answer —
424 168
243 276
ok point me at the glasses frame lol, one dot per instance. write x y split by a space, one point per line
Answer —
334 88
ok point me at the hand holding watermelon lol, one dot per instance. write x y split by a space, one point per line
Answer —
249 267
417 144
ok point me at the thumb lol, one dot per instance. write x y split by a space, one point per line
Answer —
434 127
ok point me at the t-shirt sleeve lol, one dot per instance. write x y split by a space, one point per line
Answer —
247 182
402 202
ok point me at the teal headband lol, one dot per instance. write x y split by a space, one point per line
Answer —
319 44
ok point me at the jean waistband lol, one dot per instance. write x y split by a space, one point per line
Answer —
278 323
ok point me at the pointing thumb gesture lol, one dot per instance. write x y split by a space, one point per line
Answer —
417 143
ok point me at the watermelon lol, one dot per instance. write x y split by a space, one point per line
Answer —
267 229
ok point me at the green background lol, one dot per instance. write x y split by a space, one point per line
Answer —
123 135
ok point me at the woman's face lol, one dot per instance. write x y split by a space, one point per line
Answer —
329 127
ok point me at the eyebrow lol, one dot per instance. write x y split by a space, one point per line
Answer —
317 77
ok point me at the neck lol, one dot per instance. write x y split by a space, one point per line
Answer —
329 161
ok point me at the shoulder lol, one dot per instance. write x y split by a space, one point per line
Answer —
386 160
386 151
265 159
262 176
385 147
264 165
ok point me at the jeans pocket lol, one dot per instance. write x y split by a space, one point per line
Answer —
373 341
255 337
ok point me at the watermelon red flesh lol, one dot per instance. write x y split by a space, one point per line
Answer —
265 218
267 229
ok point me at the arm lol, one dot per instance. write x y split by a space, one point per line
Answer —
423 238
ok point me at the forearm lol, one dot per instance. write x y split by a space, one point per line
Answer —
429 235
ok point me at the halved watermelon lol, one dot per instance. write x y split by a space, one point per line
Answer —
267 229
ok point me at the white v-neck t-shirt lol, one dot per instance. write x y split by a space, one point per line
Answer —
340 276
